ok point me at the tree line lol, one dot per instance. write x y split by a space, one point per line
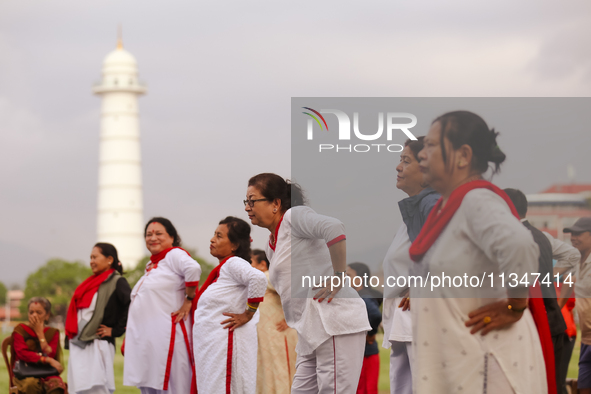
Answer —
57 280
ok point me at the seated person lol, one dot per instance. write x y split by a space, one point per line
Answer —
34 343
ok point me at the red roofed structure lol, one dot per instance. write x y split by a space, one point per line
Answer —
558 207
569 189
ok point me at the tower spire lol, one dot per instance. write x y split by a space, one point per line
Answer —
119 37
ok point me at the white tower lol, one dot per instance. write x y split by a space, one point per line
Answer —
120 218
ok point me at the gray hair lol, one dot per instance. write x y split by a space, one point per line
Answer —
43 301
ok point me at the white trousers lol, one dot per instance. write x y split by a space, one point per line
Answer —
90 370
334 367
401 365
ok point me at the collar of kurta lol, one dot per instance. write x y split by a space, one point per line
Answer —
439 218
156 258
212 277
273 237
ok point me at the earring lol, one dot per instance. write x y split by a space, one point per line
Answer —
275 210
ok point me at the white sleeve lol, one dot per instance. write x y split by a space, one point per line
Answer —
306 223
242 272
183 264
501 236
567 257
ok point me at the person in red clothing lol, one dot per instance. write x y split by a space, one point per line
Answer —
36 343
370 371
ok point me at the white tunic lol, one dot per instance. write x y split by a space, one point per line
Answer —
91 367
483 236
156 351
301 250
227 359
397 323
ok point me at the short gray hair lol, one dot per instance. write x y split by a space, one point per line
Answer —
43 301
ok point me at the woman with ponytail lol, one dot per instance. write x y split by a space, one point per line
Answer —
96 316
474 339
224 333
331 322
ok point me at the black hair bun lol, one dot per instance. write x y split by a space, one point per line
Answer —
496 154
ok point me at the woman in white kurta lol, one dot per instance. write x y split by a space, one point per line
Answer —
100 306
158 355
224 333
331 334
472 339
396 314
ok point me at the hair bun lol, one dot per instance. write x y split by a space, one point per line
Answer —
496 154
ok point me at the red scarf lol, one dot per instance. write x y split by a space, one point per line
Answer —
155 258
82 298
436 223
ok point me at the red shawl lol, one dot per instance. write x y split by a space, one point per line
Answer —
155 258
82 298
436 223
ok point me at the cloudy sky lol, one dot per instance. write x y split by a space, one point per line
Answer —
220 77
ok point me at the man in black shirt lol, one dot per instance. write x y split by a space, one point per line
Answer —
555 319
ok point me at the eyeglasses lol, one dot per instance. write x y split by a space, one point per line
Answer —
251 202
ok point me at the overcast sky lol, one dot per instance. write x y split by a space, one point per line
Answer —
220 76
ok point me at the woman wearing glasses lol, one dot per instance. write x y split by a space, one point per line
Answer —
331 327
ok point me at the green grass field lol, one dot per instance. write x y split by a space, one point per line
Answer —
384 384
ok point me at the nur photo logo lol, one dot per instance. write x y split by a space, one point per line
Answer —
394 122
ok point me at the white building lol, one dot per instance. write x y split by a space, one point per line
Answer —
120 218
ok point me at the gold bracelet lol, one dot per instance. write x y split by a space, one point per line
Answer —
252 306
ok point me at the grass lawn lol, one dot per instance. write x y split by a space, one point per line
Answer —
384 383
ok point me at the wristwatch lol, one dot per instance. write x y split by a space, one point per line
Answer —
189 298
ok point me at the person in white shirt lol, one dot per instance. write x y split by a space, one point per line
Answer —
396 311
158 357
224 333
469 339
331 322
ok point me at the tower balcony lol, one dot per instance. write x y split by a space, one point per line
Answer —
123 85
